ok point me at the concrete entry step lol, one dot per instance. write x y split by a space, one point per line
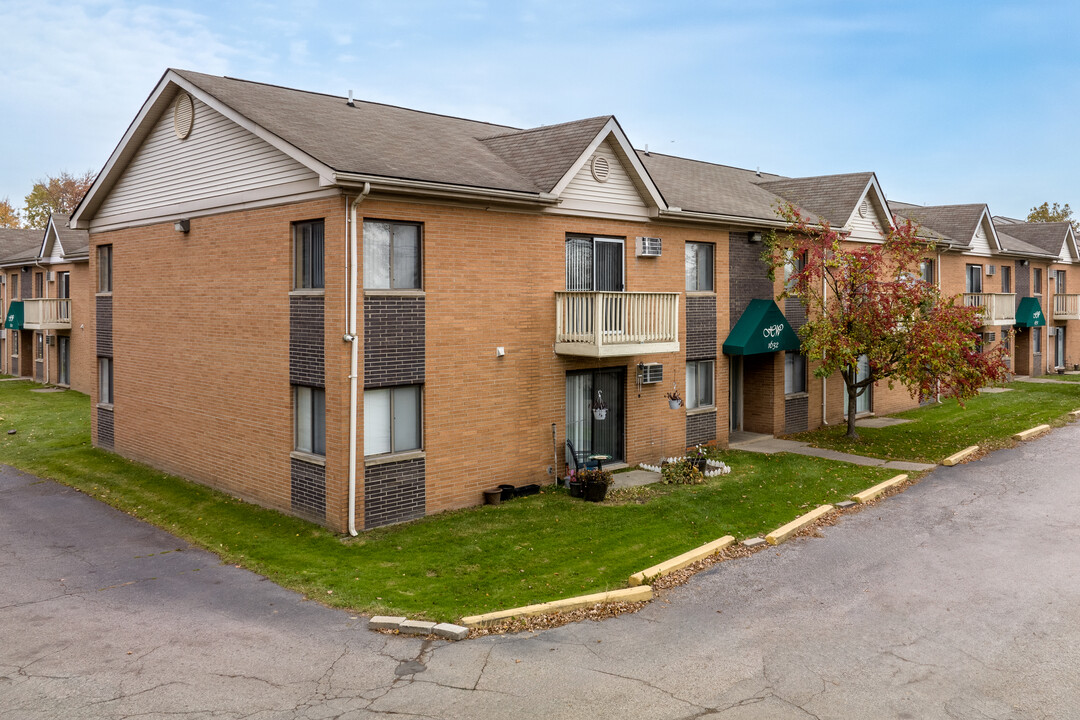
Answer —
634 478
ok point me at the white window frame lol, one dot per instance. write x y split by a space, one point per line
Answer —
694 398
104 269
369 416
303 262
699 248
106 389
305 402
790 375
390 270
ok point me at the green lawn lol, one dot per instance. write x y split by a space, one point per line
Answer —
529 550
941 430
1066 377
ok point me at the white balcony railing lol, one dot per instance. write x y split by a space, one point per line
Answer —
1067 307
609 324
997 308
47 314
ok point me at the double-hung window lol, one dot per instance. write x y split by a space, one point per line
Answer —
1036 340
1036 281
793 265
392 420
391 255
794 373
699 384
104 260
310 410
308 255
39 285
699 267
105 380
1006 279
1059 282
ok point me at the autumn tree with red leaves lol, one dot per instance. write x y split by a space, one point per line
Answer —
867 299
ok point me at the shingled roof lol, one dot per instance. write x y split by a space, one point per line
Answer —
831 197
74 242
1046 236
956 222
19 245
545 154
709 188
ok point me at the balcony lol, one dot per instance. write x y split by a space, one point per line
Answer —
997 308
613 324
1066 307
47 314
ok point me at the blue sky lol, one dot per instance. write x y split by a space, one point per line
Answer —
947 101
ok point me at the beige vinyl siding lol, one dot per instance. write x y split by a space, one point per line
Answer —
619 195
980 244
869 228
1065 256
219 158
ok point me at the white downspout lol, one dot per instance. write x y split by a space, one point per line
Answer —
354 361
824 381
44 334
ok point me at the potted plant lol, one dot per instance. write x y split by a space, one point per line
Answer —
599 407
595 484
575 485
697 457
673 400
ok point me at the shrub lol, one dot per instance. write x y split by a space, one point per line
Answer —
683 472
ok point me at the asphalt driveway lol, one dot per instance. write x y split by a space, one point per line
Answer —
959 598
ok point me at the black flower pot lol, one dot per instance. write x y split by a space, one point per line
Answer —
577 488
595 492
702 464
493 497
507 492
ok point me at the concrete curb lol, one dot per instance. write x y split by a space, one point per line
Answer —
1028 434
783 533
417 627
680 561
871 493
960 456
1073 414
642 593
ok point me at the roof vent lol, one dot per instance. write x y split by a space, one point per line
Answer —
864 209
601 168
183 116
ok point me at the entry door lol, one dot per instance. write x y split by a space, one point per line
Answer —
63 358
735 394
862 403
589 435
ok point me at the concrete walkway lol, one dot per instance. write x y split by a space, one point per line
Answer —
768 445
1046 380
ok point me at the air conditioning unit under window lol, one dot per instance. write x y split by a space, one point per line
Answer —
649 246
990 337
650 373
50 339
1051 274
991 269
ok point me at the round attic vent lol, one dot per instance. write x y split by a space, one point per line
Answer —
864 209
183 116
601 169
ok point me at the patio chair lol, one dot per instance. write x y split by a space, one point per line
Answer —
576 461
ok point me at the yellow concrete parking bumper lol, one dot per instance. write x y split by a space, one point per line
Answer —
678 563
634 594
783 533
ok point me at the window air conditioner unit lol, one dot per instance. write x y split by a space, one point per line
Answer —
52 276
991 269
649 246
990 337
650 373
50 339
1051 274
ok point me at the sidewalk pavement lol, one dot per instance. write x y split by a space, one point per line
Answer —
769 445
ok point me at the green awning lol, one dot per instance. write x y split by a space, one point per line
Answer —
14 318
761 329
1030 313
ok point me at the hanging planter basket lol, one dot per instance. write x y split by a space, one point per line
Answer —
599 407
600 413
674 404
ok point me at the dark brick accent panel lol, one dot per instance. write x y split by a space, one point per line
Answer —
308 490
700 429
394 340
747 276
700 328
307 344
1021 281
105 437
394 492
795 312
796 414
104 326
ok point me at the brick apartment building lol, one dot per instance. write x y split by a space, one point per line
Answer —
44 297
362 314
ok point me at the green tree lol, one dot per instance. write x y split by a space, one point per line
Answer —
60 193
1053 213
868 300
9 216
